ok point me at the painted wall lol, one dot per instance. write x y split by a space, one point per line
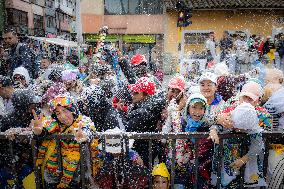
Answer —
257 22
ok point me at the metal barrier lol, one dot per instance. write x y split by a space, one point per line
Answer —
267 136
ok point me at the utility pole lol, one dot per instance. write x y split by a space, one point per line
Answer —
79 28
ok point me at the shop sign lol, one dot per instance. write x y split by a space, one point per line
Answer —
139 38
96 37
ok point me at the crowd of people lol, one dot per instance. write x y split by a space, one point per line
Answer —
118 95
240 51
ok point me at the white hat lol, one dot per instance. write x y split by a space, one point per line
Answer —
113 145
245 117
24 72
221 69
208 76
197 96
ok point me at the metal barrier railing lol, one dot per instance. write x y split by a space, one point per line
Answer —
267 136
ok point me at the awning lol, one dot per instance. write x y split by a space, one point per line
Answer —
228 4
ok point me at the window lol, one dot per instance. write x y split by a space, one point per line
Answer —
116 7
50 21
70 3
196 37
49 3
16 17
38 21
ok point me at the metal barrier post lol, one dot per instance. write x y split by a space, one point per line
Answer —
173 145
83 164
37 169
14 166
150 161
196 163
220 158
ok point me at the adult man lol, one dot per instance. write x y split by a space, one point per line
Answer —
226 44
6 92
19 54
143 114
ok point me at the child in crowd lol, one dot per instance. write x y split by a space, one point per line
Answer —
65 119
161 177
193 121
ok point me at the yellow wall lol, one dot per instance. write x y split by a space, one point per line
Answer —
256 21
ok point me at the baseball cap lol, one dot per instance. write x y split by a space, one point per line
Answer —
177 83
208 76
196 97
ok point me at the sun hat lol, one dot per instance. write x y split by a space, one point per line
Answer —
252 90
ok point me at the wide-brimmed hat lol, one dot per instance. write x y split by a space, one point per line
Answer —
113 145
252 90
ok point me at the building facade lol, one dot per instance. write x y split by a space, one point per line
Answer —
246 17
50 19
132 24
65 16
26 17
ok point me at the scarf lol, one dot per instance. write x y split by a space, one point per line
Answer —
193 125
217 99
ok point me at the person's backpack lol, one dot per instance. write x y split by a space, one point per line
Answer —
33 70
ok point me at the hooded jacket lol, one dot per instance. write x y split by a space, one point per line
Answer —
19 56
24 72
143 117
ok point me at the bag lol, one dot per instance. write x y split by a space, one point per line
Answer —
29 181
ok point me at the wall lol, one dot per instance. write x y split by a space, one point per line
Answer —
257 22
121 24
92 7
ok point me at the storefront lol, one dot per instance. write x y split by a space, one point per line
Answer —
128 44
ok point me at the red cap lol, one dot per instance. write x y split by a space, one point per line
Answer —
177 83
144 84
137 59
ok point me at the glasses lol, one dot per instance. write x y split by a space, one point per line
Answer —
62 101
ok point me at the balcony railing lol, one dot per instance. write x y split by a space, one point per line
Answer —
268 138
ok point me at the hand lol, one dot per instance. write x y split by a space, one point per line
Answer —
36 123
10 133
62 185
138 161
182 103
120 104
238 164
80 135
225 120
213 135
